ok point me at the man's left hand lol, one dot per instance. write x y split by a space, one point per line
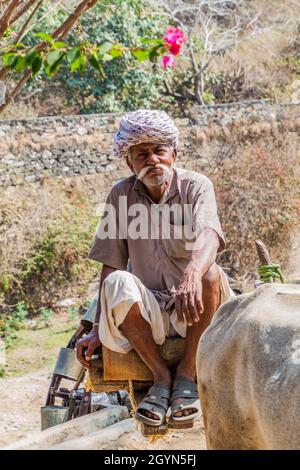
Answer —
188 297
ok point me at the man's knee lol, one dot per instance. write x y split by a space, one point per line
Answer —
211 280
117 277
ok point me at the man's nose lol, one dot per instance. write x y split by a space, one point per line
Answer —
152 159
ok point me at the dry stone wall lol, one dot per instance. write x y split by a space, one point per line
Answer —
70 146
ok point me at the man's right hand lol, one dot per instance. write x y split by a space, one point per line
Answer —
86 346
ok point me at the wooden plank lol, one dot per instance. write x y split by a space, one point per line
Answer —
129 366
101 385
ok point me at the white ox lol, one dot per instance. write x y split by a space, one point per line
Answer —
248 367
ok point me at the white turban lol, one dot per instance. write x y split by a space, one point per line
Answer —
144 125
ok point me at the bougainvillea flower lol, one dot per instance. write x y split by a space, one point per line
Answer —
175 48
174 37
168 61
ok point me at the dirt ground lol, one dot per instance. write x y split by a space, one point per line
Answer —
22 397
23 389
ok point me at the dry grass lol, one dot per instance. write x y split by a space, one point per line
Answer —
263 52
45 234
258 191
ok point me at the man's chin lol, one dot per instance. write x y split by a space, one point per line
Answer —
155 180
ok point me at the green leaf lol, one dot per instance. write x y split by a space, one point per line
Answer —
45 37
105 47
73 54
153 42
9 58
19 64
116 51
155 52
53 57
141 54
107 58
30 56
53 65
36 64
94 61
59 45
78 62
19 45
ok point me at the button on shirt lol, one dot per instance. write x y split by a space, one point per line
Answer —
154 241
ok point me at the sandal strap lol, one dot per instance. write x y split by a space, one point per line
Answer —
184 388
153 406
157 397
180 383
159 392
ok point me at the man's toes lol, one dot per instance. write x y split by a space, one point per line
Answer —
151 415
178 414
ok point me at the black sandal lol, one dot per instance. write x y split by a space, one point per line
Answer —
186 389
157 402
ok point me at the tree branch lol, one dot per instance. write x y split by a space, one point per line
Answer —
23 30
59 32
4 20
22 11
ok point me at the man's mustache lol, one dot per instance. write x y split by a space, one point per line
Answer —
145 170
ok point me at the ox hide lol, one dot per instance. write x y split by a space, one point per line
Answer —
248 368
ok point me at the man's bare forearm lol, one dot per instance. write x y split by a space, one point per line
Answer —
106 270
203 258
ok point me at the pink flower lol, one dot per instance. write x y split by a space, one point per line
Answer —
13 34
174 37
168 61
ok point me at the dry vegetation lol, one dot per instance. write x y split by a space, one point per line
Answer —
268 58
45 235
258 191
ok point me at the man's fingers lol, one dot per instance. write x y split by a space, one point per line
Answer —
192 308
185 310
199 304
80 354
89 352
178 308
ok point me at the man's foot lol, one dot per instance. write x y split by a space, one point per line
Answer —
185 403
153 408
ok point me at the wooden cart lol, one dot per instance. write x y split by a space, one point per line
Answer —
112 371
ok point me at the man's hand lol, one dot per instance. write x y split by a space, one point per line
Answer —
86 347
188 297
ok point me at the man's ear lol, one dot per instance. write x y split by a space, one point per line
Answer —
174 154
129 163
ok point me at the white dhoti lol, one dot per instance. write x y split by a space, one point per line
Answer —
120 290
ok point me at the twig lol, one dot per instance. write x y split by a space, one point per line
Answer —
23 30
62 30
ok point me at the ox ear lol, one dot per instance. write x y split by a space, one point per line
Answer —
262 252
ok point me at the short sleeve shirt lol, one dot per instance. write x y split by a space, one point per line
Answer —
155 241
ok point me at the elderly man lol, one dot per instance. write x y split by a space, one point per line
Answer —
159 275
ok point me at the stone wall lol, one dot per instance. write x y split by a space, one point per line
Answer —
70 146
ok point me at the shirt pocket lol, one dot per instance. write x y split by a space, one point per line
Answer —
178 241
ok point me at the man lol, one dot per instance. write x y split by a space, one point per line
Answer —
172 284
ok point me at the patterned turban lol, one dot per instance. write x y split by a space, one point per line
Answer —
144 125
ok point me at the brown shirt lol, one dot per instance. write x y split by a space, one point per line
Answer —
158 262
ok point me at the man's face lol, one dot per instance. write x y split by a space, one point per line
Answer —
152 163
